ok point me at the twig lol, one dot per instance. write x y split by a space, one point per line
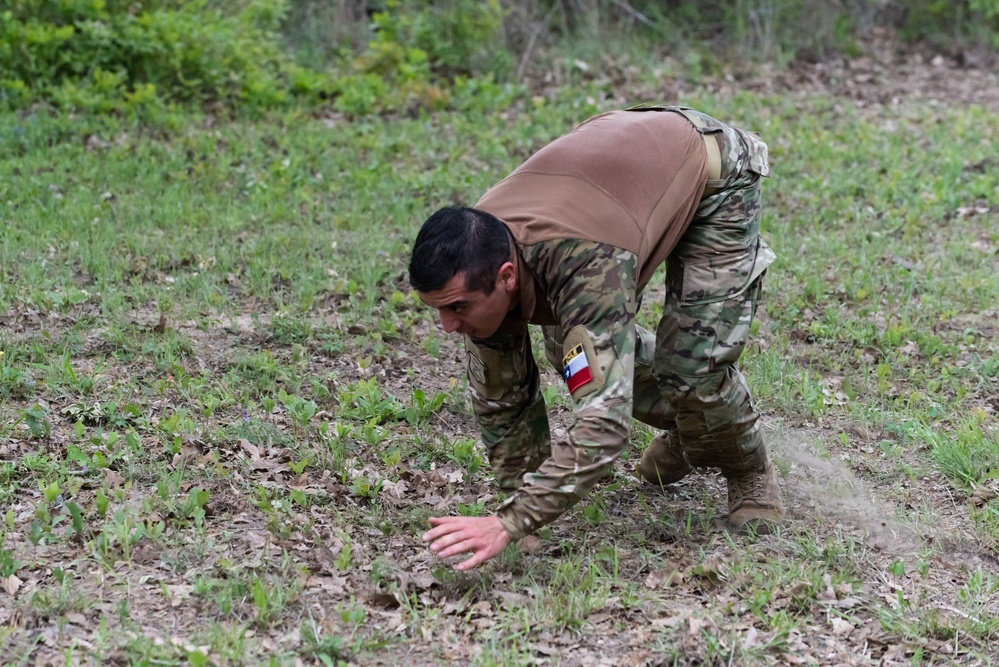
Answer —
522 65
445 422
965 615
532 40
634 12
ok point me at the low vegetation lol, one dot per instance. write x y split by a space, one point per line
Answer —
225 418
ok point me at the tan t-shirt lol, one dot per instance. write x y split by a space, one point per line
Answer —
626 178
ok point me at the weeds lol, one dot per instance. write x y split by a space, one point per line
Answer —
219 400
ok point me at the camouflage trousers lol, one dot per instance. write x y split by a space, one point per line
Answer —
685 377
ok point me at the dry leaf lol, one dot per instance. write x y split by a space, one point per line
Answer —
394 490
971 211
334 584
178 593
112 479
483 608
250 448
512 600
424 580
841 627
454 607
76 619
695 625
11 584
383 600
658 578
845 603
529 544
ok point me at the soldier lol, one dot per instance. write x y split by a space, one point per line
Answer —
568 241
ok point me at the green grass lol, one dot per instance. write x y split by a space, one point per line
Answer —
210 351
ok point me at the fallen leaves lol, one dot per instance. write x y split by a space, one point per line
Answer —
12 584
984 493
841 627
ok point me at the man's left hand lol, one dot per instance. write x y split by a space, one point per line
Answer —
485 537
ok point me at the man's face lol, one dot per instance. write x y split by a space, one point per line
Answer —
474 314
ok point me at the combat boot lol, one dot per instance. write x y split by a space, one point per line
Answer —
663 463
754 497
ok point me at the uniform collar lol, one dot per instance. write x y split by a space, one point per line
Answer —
533 304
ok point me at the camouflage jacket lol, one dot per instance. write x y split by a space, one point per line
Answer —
593 314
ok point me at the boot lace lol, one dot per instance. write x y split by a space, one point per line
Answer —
747 485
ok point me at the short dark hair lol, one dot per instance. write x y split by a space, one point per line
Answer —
455 240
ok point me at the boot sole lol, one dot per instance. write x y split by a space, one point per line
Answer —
763 523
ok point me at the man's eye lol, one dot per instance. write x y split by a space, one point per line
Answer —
457 310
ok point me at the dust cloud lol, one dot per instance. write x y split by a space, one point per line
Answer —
827 491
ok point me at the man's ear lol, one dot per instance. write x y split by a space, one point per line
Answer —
507 277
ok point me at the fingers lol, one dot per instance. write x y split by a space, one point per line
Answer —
446 541
484 537
476 559
453 540
456 547
442 526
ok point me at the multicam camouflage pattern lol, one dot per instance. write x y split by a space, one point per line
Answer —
509 407
713 284
682 379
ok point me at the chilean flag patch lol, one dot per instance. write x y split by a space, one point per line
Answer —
577 369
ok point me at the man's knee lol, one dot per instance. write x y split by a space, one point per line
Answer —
717 402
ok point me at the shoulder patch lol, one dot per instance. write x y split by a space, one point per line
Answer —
484 371
580 366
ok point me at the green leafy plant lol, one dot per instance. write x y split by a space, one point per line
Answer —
34 418
140 58
463 452
9 565
422 407
365 400
966 456
300 410
15 382
362 487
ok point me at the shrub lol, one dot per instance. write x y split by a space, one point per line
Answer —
943 22
113 55
457 36
417 50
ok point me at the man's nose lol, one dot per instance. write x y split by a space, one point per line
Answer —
449 322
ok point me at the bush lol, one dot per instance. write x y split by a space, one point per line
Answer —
416 52
113 55
457 36
475 38
785 30
944 22
140 58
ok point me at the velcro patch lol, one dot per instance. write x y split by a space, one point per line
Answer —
577 369
580 366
